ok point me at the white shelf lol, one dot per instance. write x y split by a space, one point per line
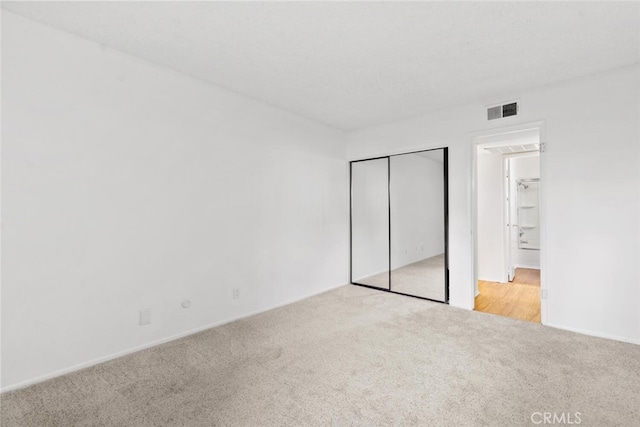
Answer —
528 211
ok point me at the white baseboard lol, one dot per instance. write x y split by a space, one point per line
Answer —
467 306
595 334
531 267
112 356
494 279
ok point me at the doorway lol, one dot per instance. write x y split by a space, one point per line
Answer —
508 225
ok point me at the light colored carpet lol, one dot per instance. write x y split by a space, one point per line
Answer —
350 357
424 278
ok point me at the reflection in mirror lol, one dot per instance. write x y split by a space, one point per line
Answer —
370 223
418 224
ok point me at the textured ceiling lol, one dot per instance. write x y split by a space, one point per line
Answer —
353 65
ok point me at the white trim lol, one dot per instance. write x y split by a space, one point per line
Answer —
595 334
135 349
477 138
486 133
543 223
469 306
530 267
505 181
501 279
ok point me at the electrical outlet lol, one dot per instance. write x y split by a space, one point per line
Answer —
544 294
145 316
236 293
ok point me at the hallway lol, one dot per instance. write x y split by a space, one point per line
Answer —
519 299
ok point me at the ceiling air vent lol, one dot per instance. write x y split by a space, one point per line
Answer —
500 111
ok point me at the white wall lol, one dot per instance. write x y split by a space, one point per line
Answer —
592 188
417 208
522 168
491 223
128 186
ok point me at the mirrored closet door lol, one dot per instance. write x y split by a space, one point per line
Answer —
370 223
417 224
399 210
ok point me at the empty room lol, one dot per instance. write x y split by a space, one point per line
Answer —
320 213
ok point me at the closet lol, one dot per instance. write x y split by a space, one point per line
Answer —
399 224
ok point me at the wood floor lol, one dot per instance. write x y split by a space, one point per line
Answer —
519 299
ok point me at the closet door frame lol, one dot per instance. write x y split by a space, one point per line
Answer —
445 153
